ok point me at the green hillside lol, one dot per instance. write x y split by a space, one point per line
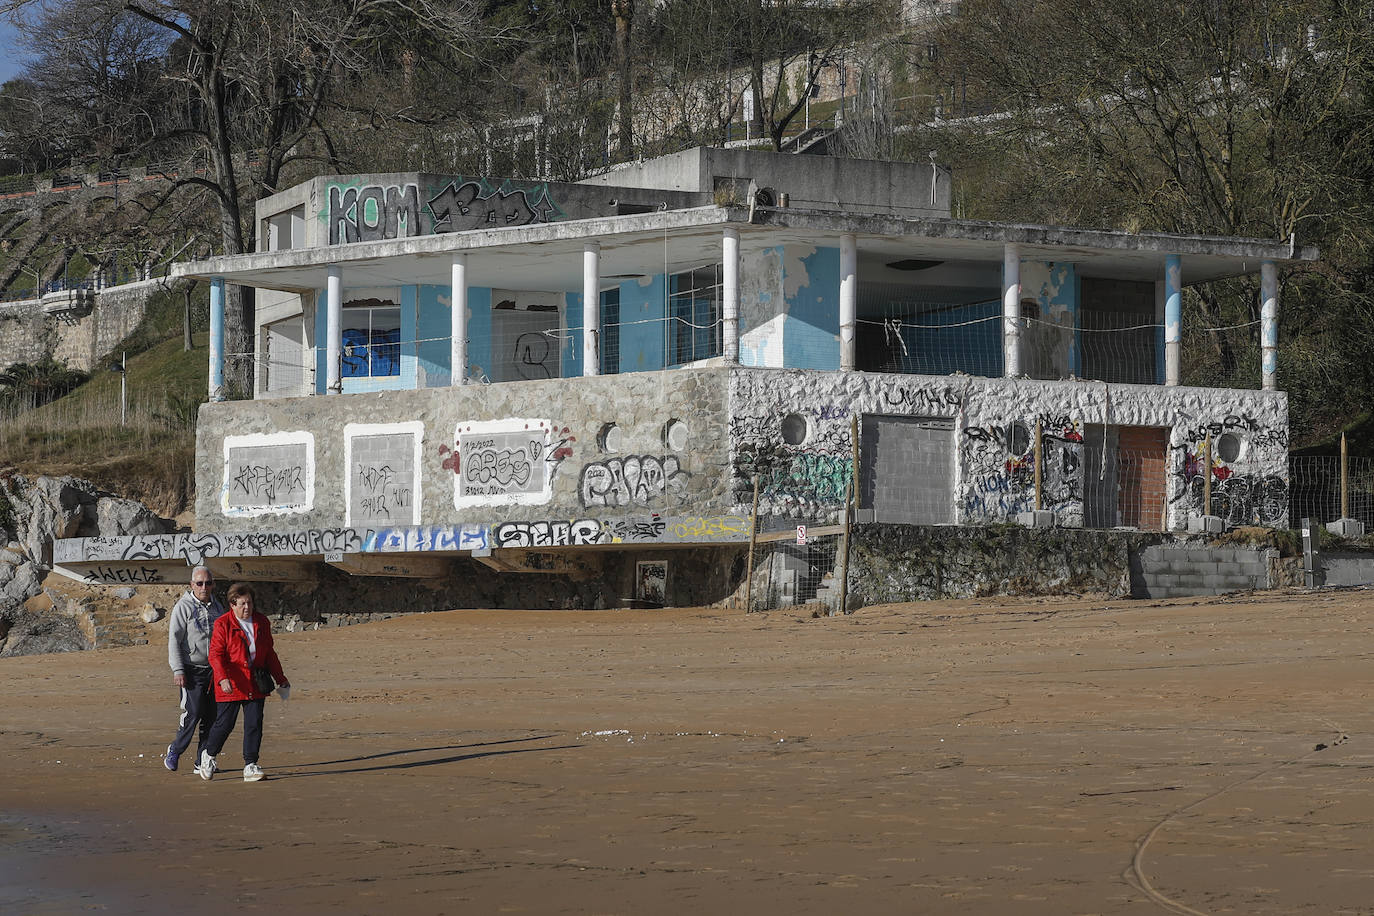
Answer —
150 457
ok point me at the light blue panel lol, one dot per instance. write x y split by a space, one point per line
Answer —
479 332
643 308
811 330
1061 295
434 323
572 342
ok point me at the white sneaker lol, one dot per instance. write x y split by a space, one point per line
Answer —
206 767
252 773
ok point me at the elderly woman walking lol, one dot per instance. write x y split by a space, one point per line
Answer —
245 664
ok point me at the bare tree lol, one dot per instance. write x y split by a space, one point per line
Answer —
245 87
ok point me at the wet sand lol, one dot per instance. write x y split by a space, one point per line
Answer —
1039 756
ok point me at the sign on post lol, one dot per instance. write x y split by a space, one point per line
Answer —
801 535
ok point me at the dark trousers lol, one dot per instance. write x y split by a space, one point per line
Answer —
225 718
197 710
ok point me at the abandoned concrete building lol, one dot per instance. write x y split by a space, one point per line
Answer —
523 373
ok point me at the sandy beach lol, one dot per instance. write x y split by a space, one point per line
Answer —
1045 756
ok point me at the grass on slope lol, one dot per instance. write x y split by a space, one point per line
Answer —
151 457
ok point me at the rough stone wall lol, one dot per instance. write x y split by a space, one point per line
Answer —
893 563
994 422
518 451
25 336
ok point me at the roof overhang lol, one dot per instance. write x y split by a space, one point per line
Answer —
547 256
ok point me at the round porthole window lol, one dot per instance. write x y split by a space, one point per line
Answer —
794 429
675 435
608 438
1018 438
1228 447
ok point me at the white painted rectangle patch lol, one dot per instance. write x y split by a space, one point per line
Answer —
502 462
268 474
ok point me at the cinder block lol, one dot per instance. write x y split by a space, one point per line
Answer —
1346 527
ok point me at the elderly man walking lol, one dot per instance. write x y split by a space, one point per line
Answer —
188 652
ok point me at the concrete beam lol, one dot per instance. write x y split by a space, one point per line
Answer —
591 308
217 339
730 294
333 343
398 566
1011 311
1173 318
849 297
458 322
1269 326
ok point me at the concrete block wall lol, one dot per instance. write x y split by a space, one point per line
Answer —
1177 572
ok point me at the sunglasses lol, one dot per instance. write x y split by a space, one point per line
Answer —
203 582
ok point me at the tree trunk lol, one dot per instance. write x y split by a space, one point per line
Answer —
624 11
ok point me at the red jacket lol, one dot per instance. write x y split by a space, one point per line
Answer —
229 657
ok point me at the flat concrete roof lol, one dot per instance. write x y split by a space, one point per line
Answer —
548 256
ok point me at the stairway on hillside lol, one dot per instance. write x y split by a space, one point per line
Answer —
37 235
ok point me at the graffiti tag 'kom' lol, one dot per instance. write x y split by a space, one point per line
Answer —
376 212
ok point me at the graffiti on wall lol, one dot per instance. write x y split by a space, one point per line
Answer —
506 461
1000 468
373 213
923 400
1241 492
384 491
270 473
816 470
383 465
266 484
474 205
632 480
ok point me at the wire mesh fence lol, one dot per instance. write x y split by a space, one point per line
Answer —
788 572
1317 491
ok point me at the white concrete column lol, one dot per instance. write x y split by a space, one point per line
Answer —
591 308
458 322
333 332
849 297
1011 310
1269 325
730 295
1173 318
217 339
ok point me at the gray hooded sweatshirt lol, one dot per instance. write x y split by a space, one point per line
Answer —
188 632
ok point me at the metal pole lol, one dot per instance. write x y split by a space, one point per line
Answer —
1039 480
1207 476
753 539
124 390
1345 480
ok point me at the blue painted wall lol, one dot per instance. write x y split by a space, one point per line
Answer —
434 327
811 330
571 350
642 309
